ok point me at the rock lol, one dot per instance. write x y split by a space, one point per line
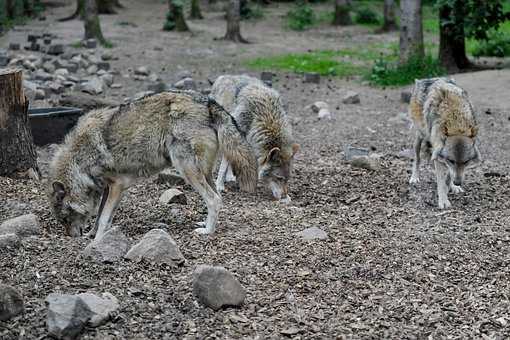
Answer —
317 106
47 41
92 69
68 55
351 151
61 72
110 248
103 65
405 97
173 196
4 60
43 76
93 86
143 94
185 84
266 76
154 77
313 233
107 55
29 65
157 246
14 46
406 154
48 67
107 79
85 101
11 302
73 79
351 98
56 87
101 308
183 74
142 71
72 67
215 287
56 49
90 43
93 59
23 226
67 315
101 72
33 37
313 78
33 47
157 87
138 78
170 177
9 241
324 114
59 63
365 162
39 94
116 86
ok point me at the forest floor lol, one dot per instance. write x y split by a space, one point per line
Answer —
393 266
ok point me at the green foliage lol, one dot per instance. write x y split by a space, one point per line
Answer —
301 17
171 16
253 12
497 45
385 73
366 15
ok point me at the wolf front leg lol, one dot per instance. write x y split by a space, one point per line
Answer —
104 220
442 185
415 177
222 173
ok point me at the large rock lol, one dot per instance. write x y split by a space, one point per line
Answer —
101 308
215 287
11 302
313 233
110 248
157 246
9 241
67 315
23 226
85 101
173 196
93 86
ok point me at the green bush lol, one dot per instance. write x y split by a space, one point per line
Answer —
301 17
254 12
498 45
386 73
365 15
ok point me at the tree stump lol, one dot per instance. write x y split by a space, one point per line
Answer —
18 157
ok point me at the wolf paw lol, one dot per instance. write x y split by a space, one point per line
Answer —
414 180
203 231
285 200
456 189
444 204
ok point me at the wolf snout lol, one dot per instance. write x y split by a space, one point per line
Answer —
457 181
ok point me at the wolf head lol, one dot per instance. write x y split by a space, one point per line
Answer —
275 169
70 211
458 153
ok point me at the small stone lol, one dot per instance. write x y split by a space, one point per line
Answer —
116 86
324 114
317 106
11 302
107 56
56 49
153 77
23 226
351 151
67 315
142 71
107 79
313 233
101 308
29 65
185 84
59 63
62 72
313 78
101 72
39 94
47 41
56 87
183 74
405 97
90 43
110 248
33 37
365 162
173 196
92 69
351 98
157 87
103 65
14 46
72 67
157 246
93 86
171 177
215 287
48 67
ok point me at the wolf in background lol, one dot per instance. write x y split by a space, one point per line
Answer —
110 148
261 116
446 125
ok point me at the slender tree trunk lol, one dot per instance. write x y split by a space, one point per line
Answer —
17 150
411 32
175 17
452 46
233 22
342 13
80 5
390 23
91 21
28 7
10 8
195 10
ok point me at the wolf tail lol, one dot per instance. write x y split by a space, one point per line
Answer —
234 147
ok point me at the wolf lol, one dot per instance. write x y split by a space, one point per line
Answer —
111 148
261 116
446 125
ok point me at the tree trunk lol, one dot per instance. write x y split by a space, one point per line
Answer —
17 150
91 21
390 23
106 6
10 8
411 32
342 13
28 8
195 10
175 18
452 47
80 5
233 22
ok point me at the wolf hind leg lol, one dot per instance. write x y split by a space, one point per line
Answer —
222 172
415 177
442 185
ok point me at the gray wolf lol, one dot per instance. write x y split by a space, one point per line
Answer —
261 116
110 148
446 125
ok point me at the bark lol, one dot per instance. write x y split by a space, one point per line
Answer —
390 23
342 13
10 8
411 32
17 151
195 10
452 46
80 5
91 21
28 7
175 17
233 22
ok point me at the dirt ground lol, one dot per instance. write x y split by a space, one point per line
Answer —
394 266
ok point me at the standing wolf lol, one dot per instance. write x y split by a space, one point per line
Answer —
446 125
261 116
110 148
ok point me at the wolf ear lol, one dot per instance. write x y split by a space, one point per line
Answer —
59 190
295 148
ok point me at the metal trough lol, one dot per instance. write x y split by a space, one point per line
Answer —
50 125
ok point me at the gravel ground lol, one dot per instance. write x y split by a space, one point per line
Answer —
394 266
